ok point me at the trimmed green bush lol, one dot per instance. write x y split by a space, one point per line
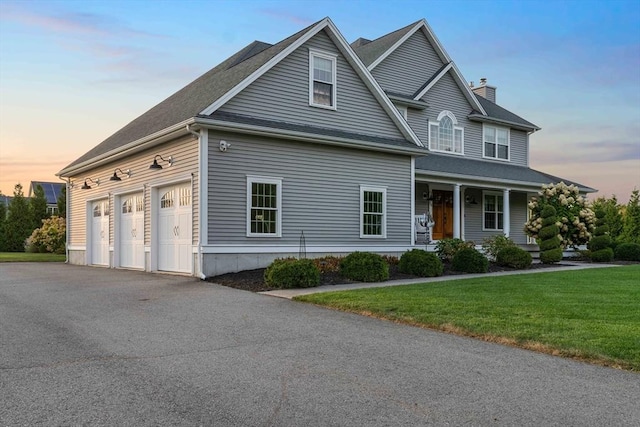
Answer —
600 245
292 273
447 248
603 255
550 244
364 267
627 252
469 260
514 257
421 263
551 256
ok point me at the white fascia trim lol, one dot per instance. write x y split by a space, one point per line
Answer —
275 248
505 123
301 136
138 145
396 45
264 68
434 81
377 91
457 75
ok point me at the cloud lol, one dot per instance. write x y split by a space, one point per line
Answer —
279 14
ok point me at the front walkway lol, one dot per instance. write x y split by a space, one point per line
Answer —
291 293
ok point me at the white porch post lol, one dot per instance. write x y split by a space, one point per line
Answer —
456 211
506 212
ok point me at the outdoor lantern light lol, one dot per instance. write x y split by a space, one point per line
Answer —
86 186
115 176
156 165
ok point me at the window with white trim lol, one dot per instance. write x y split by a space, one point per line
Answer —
373 211
493 211
264 206
496 142
445 134
322 80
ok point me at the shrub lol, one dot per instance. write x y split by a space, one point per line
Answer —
603 255
51 237
292 273
551 256
492 245
515 257
328 264
364 267
628 252
469 260
447 248
599 245
421 263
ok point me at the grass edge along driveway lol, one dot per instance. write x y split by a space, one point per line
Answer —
591 315
30 257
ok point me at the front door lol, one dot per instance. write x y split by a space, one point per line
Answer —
442 215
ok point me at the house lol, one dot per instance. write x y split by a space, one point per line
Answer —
310 143
52 191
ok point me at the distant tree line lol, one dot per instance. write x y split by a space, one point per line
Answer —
23 215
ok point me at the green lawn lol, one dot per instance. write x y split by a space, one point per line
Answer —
29 257
591 315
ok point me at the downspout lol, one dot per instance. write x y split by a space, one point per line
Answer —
199 272
66 218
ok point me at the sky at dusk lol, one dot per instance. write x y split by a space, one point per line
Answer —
74 72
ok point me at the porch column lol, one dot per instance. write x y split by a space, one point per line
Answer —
456 211
506 212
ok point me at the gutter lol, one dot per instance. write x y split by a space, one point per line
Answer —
66 217
518 126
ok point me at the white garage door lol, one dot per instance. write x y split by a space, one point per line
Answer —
100 233
132 231
175 229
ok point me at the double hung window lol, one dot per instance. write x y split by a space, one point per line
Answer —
496 142
322 80
493 211
373 212
264 207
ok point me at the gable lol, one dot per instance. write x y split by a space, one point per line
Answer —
282 94
446 95
406 69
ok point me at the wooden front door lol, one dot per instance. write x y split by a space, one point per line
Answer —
442 214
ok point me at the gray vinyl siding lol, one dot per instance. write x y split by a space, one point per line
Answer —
519 145
409 66
474 217
419 121
283 94
320 191
446 95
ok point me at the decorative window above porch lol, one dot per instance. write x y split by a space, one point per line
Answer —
445 135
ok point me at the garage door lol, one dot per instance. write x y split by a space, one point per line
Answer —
100 233
132 231
175 229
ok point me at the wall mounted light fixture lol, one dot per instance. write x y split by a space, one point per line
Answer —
86 186
156 165
470 200
115 176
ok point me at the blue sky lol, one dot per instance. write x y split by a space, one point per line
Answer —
74 72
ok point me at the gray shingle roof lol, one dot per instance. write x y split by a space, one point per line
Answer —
499 113
312 130
195 97
371 51
464 167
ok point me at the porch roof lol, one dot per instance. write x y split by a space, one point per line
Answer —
463 168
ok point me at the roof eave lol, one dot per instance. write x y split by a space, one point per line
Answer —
418 105
486 119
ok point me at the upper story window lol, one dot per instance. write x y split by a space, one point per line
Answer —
264 206
496 142
445 134
322 80
373 211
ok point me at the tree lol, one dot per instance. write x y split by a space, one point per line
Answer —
19 223
3 220
62 203
613 217
575 218
631 227
38 207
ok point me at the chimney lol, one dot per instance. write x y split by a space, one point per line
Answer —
484 90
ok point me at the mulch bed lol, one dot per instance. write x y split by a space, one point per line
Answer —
253 280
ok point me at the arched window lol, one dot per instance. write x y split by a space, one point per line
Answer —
445 134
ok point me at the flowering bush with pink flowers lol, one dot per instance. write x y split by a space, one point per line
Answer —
575 218
51 237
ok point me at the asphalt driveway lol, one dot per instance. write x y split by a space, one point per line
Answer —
92 346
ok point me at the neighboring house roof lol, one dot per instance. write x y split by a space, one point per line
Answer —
214 88
51 190
482 170
501 115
